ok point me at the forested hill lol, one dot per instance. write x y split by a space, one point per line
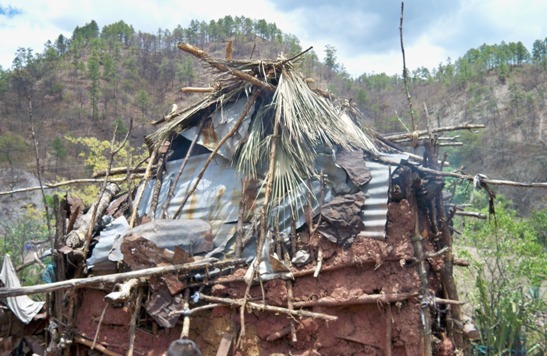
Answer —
99 78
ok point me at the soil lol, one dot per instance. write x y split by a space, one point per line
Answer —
368 266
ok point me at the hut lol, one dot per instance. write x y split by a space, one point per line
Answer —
270 220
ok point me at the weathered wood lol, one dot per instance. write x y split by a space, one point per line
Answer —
123 291
119 170
186 321
196 90
77 237
98 347
472 214
420 133
133 323
362 299
60 184
217 63
389 331
225 347
467 177
119 277
147 174
268 308
448 301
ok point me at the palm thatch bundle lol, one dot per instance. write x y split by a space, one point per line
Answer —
309 123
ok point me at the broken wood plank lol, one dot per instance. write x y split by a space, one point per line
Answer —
123 291
225 347
77 237
119 277
98 347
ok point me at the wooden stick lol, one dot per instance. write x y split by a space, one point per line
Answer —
472 214
98 347
119 170
240 217
215 150
99 326
389 327
405 69
195 310
118 277
39 169
362 299
181 170
269 308
319 262
133 323
164 147
61 184
290 299
218 64
133 219
420 133
468 177
263 220
79 237
448 301
186 321
196 90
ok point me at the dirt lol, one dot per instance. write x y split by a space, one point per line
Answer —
367 267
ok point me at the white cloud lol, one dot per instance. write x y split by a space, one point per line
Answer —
363 43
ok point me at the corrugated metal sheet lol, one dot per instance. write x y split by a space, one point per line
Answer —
216 199
374 214
223 121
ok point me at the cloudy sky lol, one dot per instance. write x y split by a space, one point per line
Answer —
364 32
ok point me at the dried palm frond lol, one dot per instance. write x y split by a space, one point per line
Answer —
190 116
307 121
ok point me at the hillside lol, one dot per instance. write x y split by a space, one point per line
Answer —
101 78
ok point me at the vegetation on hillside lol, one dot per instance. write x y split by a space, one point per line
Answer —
85 85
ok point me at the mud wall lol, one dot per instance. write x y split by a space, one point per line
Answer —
367 267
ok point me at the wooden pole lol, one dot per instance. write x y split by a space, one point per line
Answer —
133 324
362 299
218 64
269 308
465 126
118 277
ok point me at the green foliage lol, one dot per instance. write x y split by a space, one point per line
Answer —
509 269
19 236
330 58
13 149
96 155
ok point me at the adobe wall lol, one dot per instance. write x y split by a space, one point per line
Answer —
367 267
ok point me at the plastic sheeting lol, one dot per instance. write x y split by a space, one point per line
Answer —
23 307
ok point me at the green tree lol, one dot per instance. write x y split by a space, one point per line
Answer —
12 149
93 73
330 59
143 101
59 150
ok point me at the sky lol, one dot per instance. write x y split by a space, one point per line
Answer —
365 33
